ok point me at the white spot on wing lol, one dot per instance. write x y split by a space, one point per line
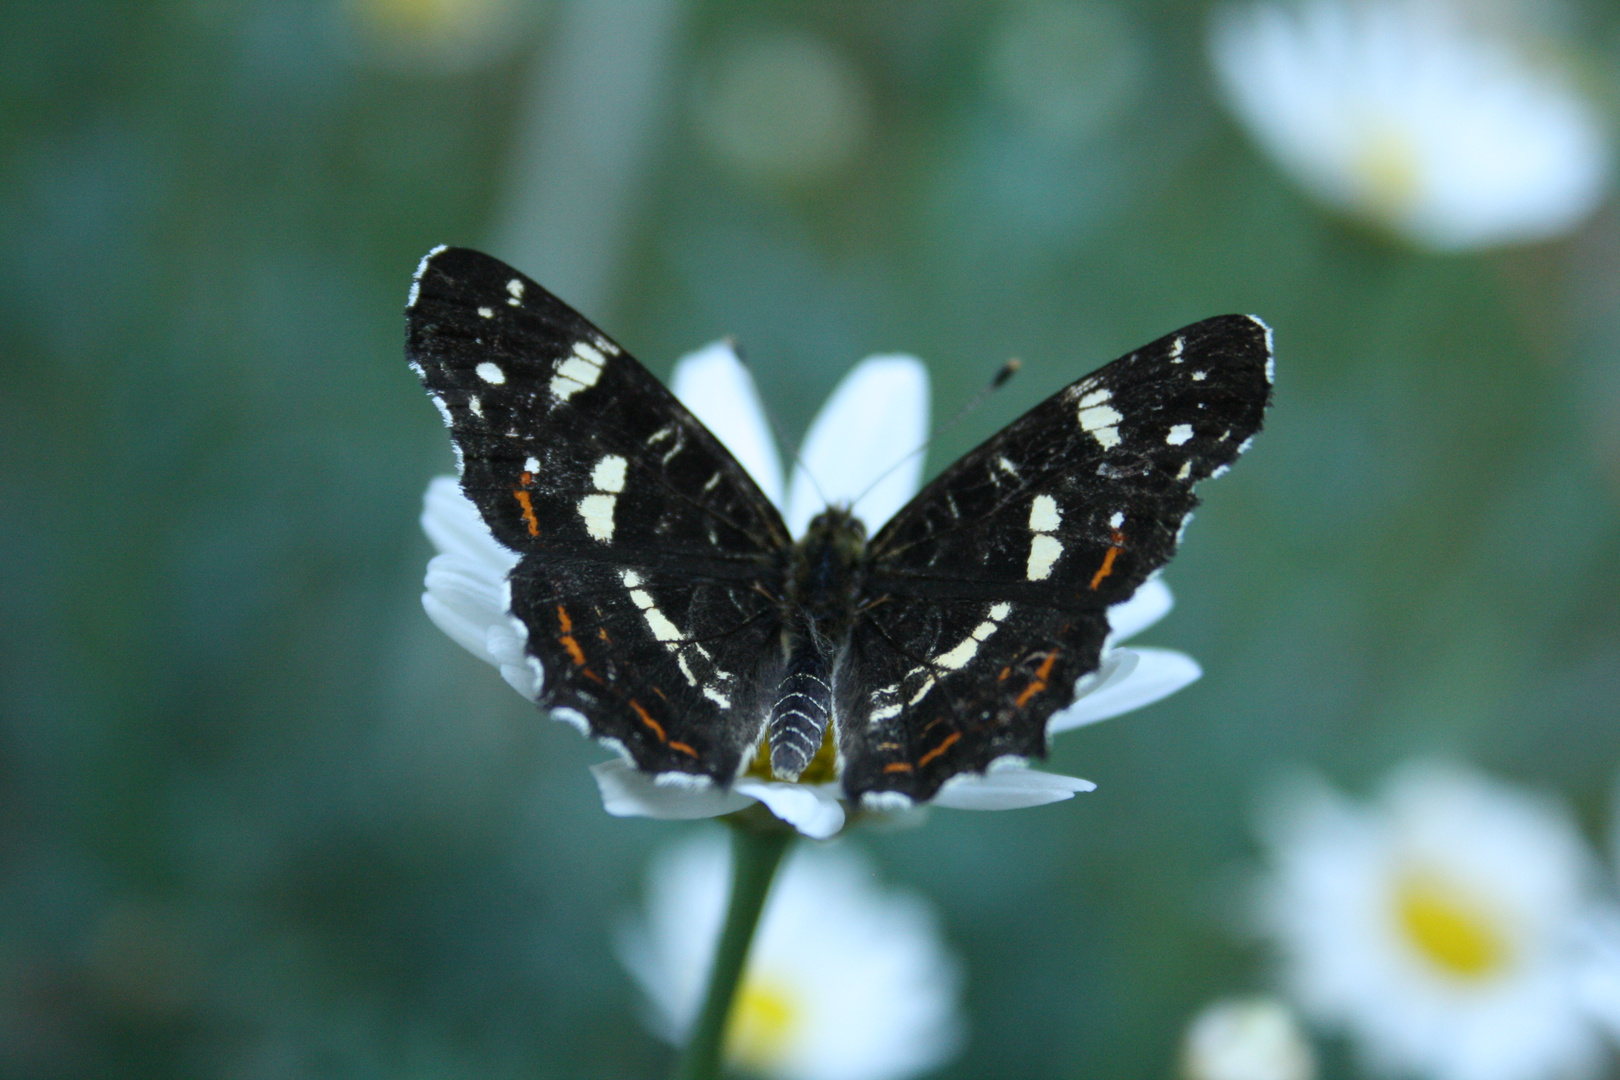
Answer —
515 287
573 718
1043 554
922 692
490 373
444 410
717 697
1117 520
597 511
574 375
1186 470
487 312
589 353
1199 376
631 580
662 628
1175 348
531 465
1101 421
1000 611
1179 434
475 405
609 474
1043 514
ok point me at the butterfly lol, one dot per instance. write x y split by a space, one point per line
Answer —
670 614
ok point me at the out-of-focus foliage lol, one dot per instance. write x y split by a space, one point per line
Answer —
259 819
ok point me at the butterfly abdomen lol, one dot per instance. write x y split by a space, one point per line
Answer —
823 584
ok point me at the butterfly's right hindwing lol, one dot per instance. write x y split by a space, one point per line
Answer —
642 539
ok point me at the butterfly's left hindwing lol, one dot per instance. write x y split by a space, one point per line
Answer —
986 596
643 542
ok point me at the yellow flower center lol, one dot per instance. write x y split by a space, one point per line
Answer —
764 1015
823 768
1450 931
1387 165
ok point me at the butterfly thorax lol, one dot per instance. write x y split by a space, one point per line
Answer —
823 582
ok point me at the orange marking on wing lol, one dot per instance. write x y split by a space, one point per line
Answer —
591 675
1117 541
527 504
1039 682
950 741
602 633
575 653
1006 671
683 748
897 766
657 728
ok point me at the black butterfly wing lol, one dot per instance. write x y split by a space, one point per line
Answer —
987 594
643 541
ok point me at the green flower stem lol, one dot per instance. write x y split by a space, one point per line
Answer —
757 847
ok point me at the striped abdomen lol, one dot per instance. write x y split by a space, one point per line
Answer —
799 716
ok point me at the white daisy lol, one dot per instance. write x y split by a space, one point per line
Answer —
846 980
878 415
1435 927
1399 112
1246 1039
1599 978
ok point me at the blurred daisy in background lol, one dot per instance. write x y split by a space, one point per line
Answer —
783 109
877 416
442 35
1246 1039
846 980
1437 926
1599 980
1402 113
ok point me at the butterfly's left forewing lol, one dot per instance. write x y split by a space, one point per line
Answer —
986 596
647 552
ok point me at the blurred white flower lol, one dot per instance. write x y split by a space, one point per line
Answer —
878 415
1246 1039
846 980
784 108
1400 112
1600 939
1436 927
443 35
1598 978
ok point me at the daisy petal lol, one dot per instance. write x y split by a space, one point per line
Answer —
1150 603
464 603
864 437
628 792
1128 679
1011 788
716 386
814 810
454 526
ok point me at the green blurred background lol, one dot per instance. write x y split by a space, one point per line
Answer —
260 820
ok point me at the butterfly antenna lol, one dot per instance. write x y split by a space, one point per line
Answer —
1002 376
776 426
